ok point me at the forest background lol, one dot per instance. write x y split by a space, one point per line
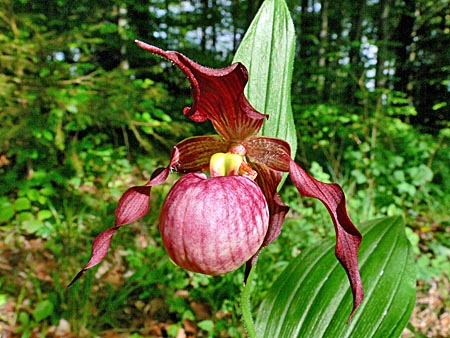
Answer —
85 114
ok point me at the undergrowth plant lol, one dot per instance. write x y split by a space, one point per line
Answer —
65 176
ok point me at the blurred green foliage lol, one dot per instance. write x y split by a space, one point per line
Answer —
85 114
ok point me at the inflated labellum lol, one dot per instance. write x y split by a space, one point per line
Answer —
213 225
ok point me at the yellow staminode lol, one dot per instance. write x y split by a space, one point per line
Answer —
225 164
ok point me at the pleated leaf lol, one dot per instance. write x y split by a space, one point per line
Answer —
312 297
267 50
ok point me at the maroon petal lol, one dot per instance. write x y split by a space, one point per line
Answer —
218 95
268 181
273 152
195 152
133 205
348 237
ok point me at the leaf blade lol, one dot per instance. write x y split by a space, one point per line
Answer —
318 302
267 51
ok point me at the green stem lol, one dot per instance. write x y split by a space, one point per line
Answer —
246 306
416 333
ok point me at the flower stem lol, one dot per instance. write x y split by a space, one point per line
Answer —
246 306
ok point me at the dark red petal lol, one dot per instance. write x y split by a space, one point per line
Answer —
268 181
99 249
218 95
195 152
348 237
273 152
133 205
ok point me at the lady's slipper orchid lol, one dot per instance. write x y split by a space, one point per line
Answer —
213 225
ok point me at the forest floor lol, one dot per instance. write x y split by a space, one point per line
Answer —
431 316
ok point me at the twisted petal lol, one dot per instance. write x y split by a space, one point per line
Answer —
273 155
348 237
218 95
133 205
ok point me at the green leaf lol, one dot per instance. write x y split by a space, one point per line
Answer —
32 194
312 298
24 318
44 214
25 216
7 211
22 203
3 299
42 310
267 50
206 325
439 105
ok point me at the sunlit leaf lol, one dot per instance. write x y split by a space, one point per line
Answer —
267 50
7 211
22 203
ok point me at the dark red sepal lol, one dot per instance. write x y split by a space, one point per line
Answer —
218 95
348 238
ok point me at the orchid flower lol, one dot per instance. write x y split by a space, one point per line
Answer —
214 225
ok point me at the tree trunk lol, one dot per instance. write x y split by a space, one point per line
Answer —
383 44
322 50
204 26
304 22
122 24
234 11
404 38
214 22
306 48
355 35
252 8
